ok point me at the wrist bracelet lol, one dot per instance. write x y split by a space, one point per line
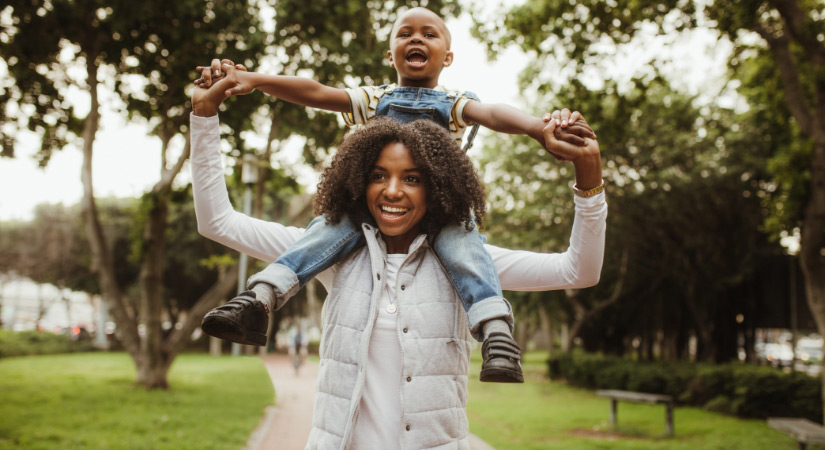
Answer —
590 192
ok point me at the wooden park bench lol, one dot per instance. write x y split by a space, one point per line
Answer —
803 430
639 397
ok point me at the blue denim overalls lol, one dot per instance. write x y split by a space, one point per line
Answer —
406 104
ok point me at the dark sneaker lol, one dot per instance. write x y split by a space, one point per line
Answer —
502 358
242 320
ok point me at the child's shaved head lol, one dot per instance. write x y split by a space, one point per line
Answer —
437 21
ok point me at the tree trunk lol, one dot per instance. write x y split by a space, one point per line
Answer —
154 362
546 329
797 26
813 240
582 314
152 370
102 264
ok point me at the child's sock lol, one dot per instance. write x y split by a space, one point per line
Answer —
265 294
495 325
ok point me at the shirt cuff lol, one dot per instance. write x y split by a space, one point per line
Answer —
459 112
590 202
203 123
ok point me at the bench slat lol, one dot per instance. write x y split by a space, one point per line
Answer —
638 397
803 430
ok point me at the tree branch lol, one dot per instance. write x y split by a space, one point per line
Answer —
168 176
796 22
788 70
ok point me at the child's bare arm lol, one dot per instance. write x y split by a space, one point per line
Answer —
506 119
303 91
298 90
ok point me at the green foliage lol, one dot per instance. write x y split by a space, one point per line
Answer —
25 343
574 37
90 401
152 46
769 130
737 389
570 30
685 206
52 247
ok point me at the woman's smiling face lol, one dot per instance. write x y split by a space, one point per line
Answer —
397 197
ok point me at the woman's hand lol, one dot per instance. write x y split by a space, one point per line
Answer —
207 96
586 158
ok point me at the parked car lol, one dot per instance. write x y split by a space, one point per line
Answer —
780 354
809 350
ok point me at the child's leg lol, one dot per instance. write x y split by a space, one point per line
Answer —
321 246
244 318
475 280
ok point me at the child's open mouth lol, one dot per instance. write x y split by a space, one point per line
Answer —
393 212
416 58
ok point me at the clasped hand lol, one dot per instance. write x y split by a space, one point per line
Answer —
563 122
218 82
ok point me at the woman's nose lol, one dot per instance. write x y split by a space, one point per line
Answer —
393 189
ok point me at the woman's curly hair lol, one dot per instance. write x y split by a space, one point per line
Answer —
455 194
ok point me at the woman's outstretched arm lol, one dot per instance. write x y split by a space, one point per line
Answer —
581 264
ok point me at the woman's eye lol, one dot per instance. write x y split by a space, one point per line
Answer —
413 179
377 176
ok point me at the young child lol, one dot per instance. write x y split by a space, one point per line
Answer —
419 51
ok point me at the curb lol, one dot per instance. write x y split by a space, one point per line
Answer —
256 439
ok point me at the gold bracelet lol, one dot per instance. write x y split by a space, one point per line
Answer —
590 192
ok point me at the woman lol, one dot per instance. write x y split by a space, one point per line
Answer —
395 345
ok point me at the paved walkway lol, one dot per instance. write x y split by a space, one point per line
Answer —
286 426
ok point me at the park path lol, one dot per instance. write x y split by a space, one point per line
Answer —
286 426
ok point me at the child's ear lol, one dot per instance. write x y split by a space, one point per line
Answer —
389 58
448 59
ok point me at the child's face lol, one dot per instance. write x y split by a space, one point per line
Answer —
419 48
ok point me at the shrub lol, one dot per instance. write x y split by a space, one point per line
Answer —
24 343
738 389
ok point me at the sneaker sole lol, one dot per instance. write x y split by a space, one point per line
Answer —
499 375
231 331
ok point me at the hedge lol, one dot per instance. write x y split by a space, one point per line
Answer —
24 343
734 388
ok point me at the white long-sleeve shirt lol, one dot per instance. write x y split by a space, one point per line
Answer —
578 267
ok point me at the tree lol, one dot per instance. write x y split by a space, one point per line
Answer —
683 223
136 42
785 36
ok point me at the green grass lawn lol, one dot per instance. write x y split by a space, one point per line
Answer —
541 414
90 401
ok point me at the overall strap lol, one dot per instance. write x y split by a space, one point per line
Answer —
456 96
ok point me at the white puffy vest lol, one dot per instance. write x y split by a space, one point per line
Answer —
435 348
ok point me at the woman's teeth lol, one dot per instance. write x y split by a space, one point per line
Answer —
393 211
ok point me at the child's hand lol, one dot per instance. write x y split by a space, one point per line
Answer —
565 145
220 70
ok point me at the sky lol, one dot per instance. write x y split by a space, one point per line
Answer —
127 162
